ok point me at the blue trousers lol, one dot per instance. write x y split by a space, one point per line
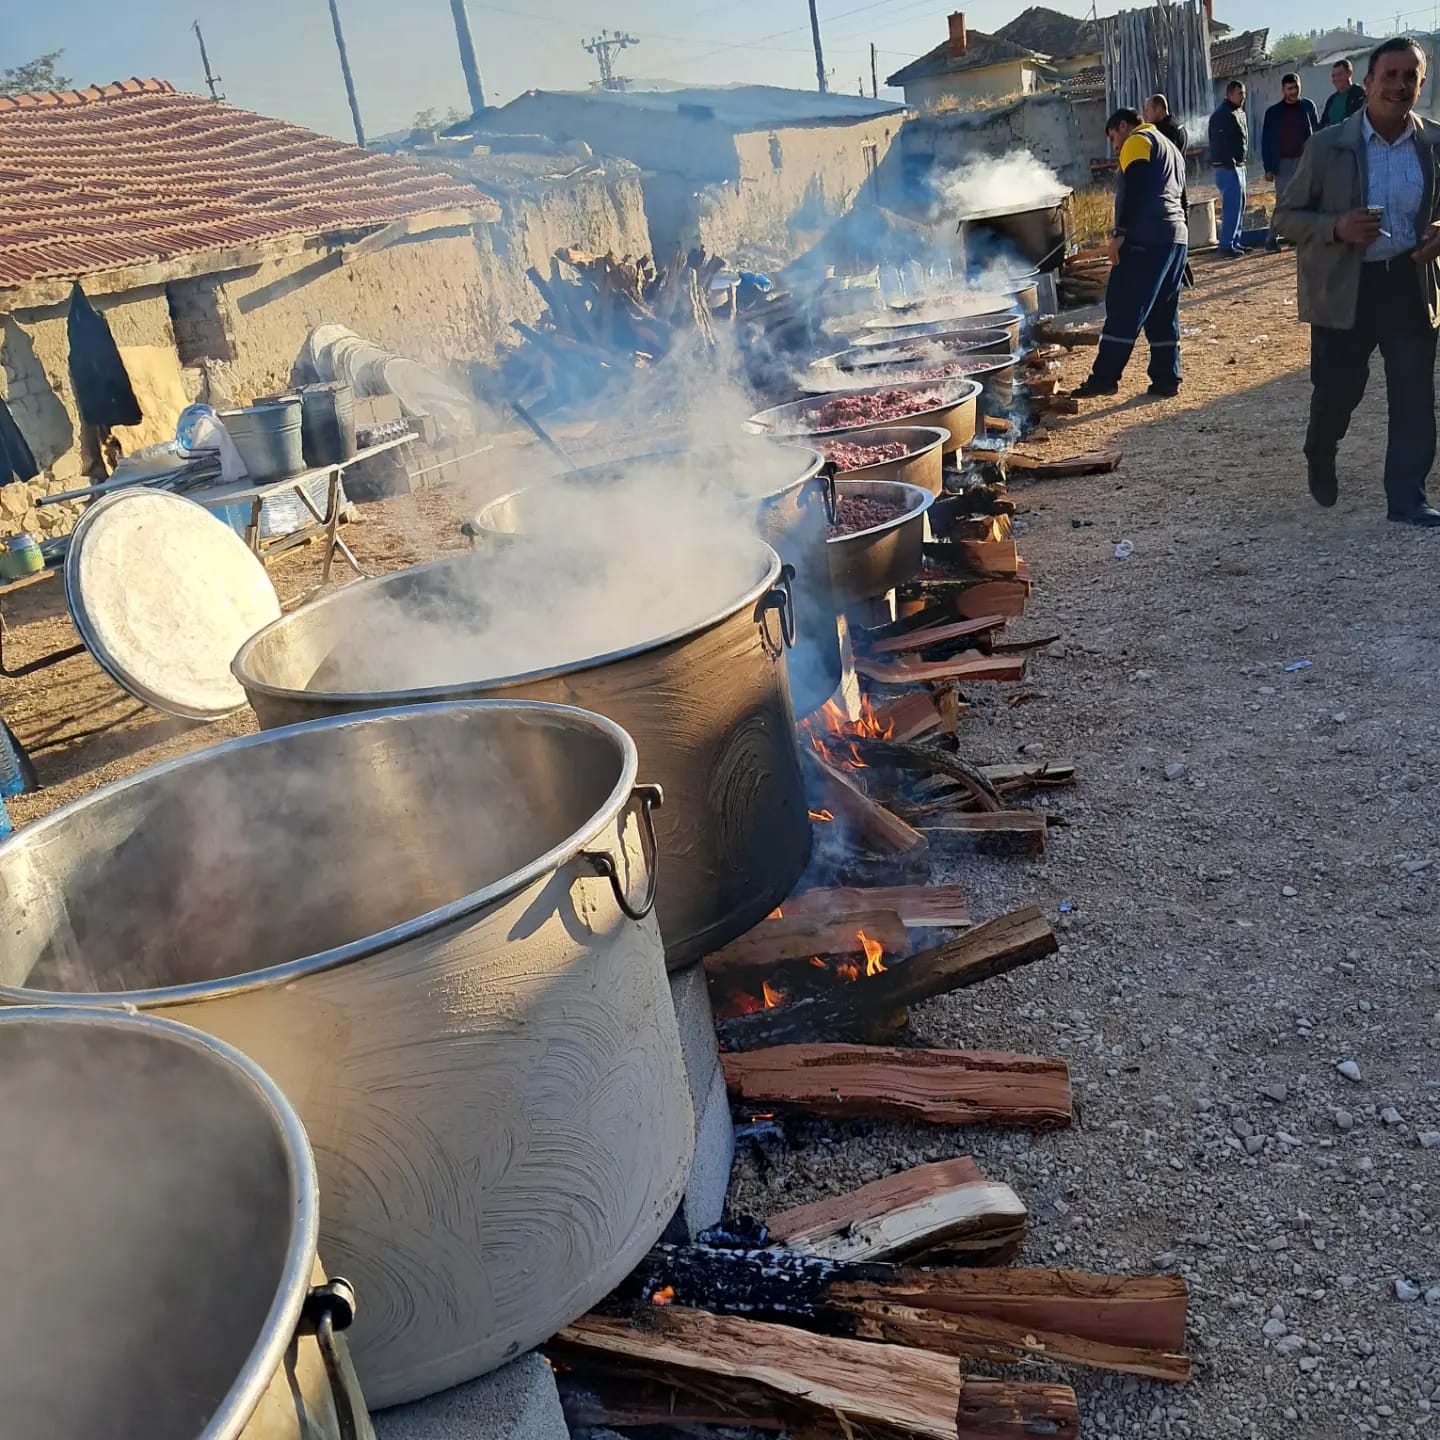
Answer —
1143 294
1231 185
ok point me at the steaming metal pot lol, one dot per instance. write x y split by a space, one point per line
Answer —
163 1210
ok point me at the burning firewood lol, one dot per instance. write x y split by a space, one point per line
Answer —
919 906
937 1087
726 1370
849 1009
844 797
910 716
932 635
798 937
947 1209
990 832
967 667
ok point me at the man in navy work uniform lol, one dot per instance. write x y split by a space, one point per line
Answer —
1229 152
1288 126
1148 258
1364 212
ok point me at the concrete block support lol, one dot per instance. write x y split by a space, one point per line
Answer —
518 1402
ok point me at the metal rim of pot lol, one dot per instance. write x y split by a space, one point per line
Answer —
926 329
625 792
991 363
297 1304
862 357
938 436
480 526
766 590
918 502
953 392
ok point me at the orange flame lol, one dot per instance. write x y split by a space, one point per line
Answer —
818 963
773 997
848 971
869 725
823 815
776 914
665 1296
874 953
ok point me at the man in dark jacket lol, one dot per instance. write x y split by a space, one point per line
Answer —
1288 125
1348 97
1147 255
1229 151
1157 113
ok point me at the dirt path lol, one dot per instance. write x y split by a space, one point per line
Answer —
1238 930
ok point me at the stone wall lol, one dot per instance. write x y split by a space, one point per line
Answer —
442 299
1046 125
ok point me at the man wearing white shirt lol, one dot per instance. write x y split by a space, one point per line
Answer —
1364 211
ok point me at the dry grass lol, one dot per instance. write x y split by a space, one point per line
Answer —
1093 214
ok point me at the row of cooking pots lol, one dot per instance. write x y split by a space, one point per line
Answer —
434 928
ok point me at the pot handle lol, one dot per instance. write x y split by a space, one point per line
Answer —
779 597
329 1309
826 476
651 798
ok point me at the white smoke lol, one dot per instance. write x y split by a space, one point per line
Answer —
1009 182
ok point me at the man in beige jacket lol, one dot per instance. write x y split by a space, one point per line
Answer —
1364 212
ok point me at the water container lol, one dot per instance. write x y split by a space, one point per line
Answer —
328 422
268 437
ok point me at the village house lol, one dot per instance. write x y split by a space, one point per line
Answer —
741 170
1068 44
970 68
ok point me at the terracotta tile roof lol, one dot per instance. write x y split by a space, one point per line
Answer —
136 172
1051 32
1236 54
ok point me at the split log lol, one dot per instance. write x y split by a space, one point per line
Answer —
997 597
878 826
909 717
919 906
1009 646
947 1208
1070 334
1055 404
997 425
923 639
988 950
1092 462
989 832
797 937
1134 1324
968 667
987 557
748 1369
1049 772
1041 384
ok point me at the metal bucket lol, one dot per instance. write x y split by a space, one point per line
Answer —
161 1204
268 437
432 928
707 700
1203 230
778 488
327 423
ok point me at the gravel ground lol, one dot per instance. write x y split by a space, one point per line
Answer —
1246 991
1249 861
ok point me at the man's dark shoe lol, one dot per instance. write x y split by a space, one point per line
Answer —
1425 515
1272 247
1324 484
1090 387
1165 390
1236 254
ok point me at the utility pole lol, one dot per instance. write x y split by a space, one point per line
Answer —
874 81
819 55
345 71
604 48
211 80
468 62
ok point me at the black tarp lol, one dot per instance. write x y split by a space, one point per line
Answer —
102 388
17 461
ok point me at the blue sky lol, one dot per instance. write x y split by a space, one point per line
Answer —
278 57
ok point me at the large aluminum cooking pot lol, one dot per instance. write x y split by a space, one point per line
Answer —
941 330
867 564
954 412
430 927
666 492
161 1208
922 464
703 690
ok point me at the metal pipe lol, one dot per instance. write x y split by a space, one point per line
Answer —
345 71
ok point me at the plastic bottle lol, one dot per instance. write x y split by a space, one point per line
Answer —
6 828
1124 549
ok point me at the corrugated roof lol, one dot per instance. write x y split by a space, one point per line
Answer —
737 107
136 172
980 50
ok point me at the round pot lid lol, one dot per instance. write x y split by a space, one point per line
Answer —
163 593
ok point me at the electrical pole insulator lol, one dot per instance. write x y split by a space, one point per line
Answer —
604 48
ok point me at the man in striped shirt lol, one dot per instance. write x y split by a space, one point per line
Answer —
1364 211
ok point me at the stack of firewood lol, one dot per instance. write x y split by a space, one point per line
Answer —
1084 276
606 316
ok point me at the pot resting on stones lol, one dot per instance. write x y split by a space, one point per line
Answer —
430 927
682 645
670 493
